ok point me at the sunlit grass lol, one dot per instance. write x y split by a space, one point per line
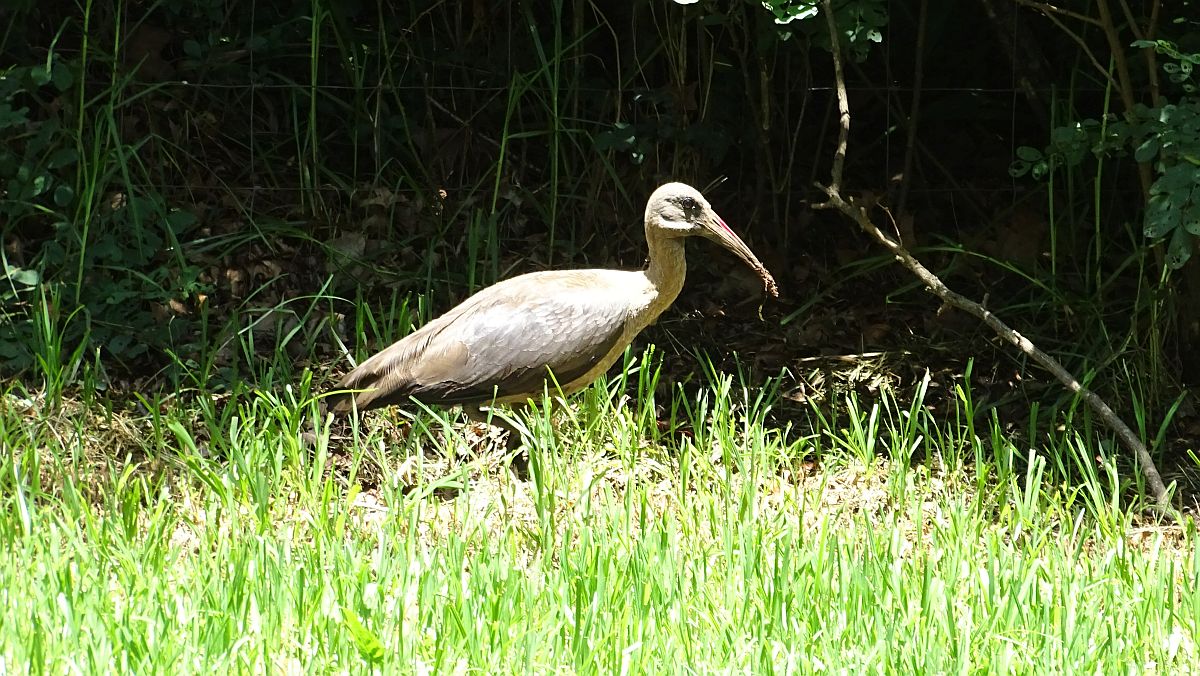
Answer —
228 526
232 533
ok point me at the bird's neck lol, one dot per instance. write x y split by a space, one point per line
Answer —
667 268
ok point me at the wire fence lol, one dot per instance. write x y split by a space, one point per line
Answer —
281 120
893 94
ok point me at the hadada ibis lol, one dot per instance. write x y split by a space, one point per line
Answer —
499 345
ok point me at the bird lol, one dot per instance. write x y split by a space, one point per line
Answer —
500 345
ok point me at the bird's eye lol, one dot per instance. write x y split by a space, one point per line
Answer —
688 203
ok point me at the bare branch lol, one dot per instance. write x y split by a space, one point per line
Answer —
1086 50
839 155
1133 26
1048 9
1117 47
1151 56
859 215
1130 440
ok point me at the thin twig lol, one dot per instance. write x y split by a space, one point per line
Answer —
1127 436
1133 27
1152 56
1048 9
1086 50
859 215
1117 47
466 124
839 155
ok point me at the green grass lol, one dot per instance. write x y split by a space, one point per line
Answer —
218 528
209 534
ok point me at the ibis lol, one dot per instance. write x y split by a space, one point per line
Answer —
500 345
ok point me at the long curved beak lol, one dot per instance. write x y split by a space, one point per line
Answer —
716 230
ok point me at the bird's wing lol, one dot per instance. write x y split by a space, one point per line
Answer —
506 349
502 342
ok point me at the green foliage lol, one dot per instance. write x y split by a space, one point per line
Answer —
1167 136
102 148
668 126
36 163
860 21
37 167
787 11
108 247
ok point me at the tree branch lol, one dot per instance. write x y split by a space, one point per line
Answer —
859 215
1133 26
1151 57
1117 47
839 155
1048 9
1086 50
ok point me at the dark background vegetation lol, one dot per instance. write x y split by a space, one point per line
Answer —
190 185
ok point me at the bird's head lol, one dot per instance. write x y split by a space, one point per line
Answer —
679 210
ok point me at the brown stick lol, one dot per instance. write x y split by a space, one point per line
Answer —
1151 58
1130 21
859 215
1086 50
1122 82
839 77
1117 48
1048 9
1131 441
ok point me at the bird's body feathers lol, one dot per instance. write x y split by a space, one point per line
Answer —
501 344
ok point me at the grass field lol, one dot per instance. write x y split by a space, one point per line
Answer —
225 532
208 206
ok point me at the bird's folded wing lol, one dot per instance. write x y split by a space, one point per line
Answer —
504 350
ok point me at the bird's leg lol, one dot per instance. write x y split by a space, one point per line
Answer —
482 414
512 444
